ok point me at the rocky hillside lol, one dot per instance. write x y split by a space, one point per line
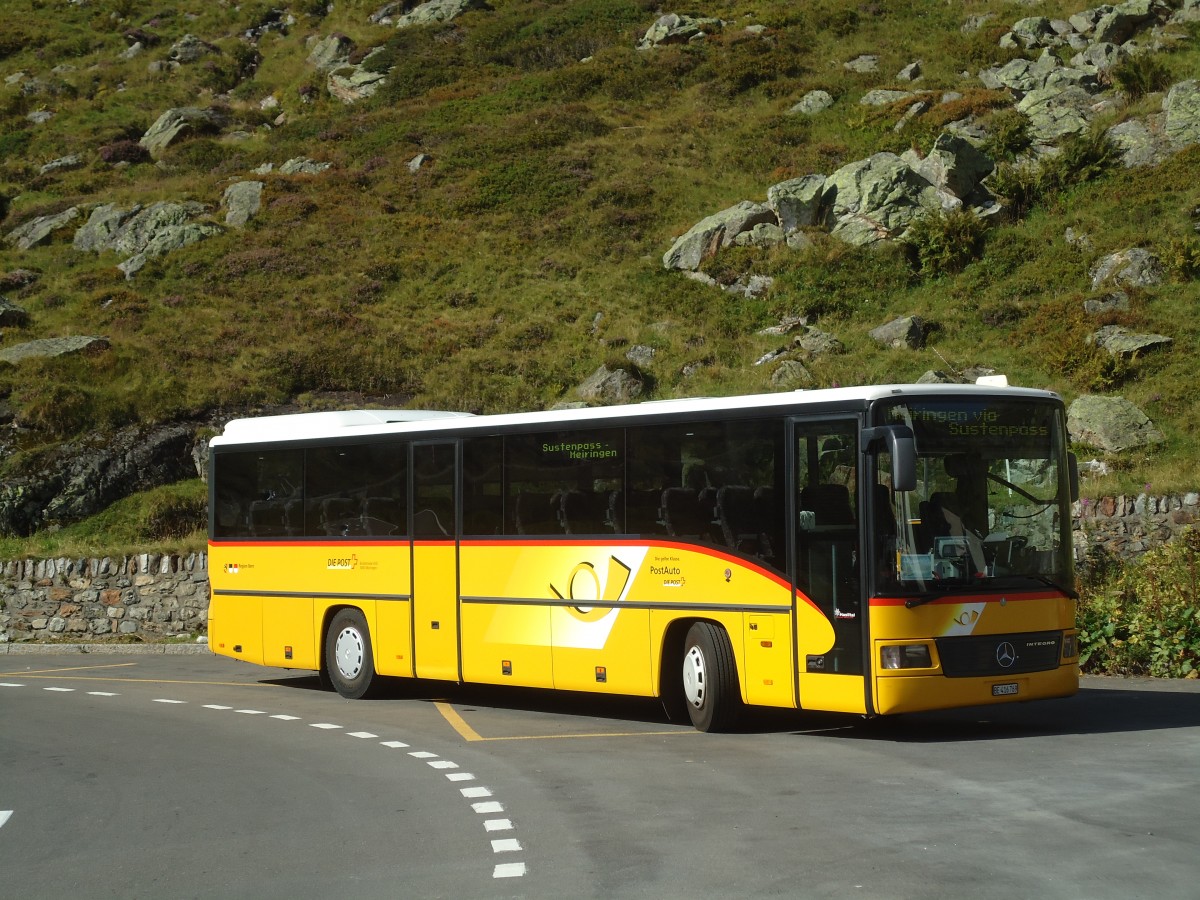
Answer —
209 209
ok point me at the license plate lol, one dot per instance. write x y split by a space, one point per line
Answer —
1004 690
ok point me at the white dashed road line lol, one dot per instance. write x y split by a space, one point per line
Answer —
484 807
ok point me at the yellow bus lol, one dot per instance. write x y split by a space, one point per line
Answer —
870 550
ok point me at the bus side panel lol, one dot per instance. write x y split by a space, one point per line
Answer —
512 637
287 628
834 692
391 638
768 659
235 627
602 649
506 644
435 610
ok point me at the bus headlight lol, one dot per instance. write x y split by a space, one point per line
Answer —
905 656
1070 645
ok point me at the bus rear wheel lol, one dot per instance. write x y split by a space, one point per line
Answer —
349 663
710 683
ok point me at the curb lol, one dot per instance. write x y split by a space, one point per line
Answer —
106 649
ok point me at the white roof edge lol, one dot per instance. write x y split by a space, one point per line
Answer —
281 427
332 424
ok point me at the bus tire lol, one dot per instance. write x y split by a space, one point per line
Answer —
349 662
709 678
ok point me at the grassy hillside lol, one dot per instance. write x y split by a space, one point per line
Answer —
527 251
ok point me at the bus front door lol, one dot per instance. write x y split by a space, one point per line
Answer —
826 563
435 561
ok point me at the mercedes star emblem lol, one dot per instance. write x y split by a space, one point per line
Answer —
1006 654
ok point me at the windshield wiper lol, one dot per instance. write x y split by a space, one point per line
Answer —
1050 582
922 600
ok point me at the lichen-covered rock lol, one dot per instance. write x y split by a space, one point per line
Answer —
40 229
676 29
797 201
906 333
610 387
1111 424
1182 108
242 201
51 347
709 235
812 103
179 123
1135 267
1125 344
877 198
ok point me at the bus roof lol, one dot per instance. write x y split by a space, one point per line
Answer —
370 423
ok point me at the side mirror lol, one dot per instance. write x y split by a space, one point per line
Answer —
902 446
1073 471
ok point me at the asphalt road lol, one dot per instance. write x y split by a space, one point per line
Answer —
196 776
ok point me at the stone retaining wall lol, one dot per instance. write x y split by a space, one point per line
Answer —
1128 526
147 597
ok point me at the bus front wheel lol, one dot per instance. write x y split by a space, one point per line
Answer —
710 684
349 663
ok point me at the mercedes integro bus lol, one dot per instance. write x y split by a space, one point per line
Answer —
870 550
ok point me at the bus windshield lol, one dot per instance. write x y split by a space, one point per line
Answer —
991 509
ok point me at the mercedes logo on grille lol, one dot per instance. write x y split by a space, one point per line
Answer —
1006 654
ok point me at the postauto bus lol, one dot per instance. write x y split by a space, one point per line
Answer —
869 550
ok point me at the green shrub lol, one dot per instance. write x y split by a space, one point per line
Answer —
1140 75
945 242
1145 620
1182 256
1009 135
1019 185
1081 158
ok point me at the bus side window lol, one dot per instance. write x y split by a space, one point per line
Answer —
483 486
562 482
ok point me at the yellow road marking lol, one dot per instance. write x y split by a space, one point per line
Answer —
71 669
459 724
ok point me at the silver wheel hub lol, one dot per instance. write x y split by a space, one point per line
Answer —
349 653
695 680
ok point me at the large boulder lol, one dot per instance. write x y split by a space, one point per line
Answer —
1056 112
167 240
676 29
906 333
51 347
190 49
1125 344
709 235
330 52
181 122
797 201
1134 267
40 229
1111 424
1140 142
610 387
424 14
100 231
877 198
1182 108
812 103
955 164
242 201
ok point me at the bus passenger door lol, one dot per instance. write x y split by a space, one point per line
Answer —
826 566
434 533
